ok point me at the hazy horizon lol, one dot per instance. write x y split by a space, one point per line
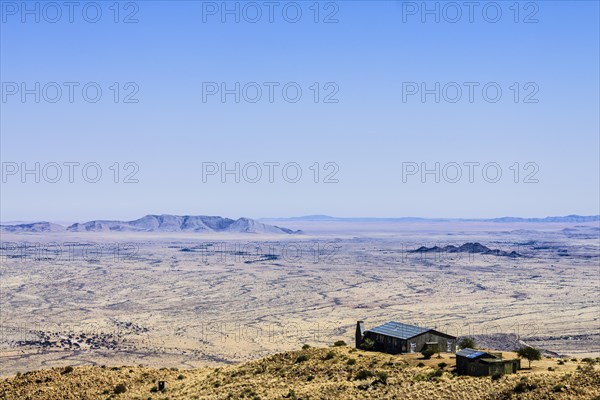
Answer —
291 218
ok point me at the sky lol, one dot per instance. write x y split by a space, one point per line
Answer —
114 110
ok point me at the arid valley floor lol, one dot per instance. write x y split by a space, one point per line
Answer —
191 300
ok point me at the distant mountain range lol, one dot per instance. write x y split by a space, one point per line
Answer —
202 223
157 223
567 218
32 227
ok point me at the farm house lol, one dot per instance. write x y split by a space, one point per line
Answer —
481 363
396 338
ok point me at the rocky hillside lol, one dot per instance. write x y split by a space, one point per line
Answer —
323 373
472 248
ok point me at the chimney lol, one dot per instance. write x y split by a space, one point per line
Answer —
360 333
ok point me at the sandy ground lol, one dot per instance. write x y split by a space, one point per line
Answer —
189 300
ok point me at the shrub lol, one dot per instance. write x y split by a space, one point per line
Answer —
382 377
522 387
427 353
420 365
561 362
339 343
364 374
329 355
67 370
587 360
438 373
558 388
180 377
154 389
368 344
496 376
550 369
467 342
310 378
351 361
120 388
420 377
586 369
301 359
306 347
442 365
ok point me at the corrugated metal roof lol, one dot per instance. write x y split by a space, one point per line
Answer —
471 353
398 330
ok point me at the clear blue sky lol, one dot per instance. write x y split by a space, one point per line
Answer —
369 133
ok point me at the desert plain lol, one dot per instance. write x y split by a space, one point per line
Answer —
189 300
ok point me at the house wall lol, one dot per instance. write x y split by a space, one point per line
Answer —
386 344
466 366
461 365
392 345
442 341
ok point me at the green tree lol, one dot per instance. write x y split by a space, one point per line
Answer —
368 344
530 354
427 353
467 342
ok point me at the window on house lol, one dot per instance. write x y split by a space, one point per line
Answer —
413 347
449 346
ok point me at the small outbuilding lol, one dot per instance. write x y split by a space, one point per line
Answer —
396 338
482 363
